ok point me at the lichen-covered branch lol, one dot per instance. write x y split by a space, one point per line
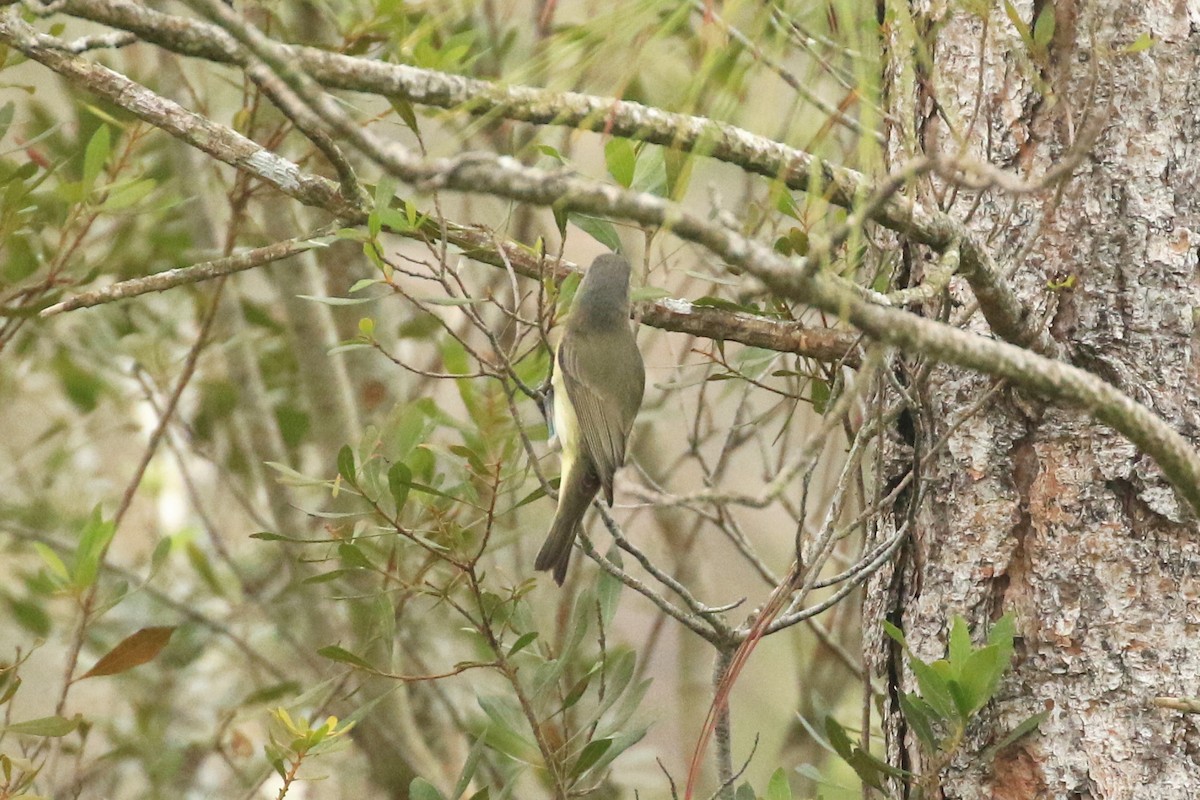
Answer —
230 147
171 278
506 177
799 170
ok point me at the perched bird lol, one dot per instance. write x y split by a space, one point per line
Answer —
597 391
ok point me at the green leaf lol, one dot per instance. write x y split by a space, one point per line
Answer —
6 117
1043 27
97 533
506 733
1028 726
590 755
784 202
353 556
94 156
345 464
599 229
363 283
159 556
552 152
561 218
1143 42
404 109
338 301
129 194
46 726
335 653
1015 17
82 386
132 651
523 641
934 689
469 767
820 392
895 633
31 616
871 769
981 674
650 174
959 647
270 694
453 301
399 483
421 789
838 740
644 294
55 564
778 787
920 718
744 792
868 768
324 577
608 589
577 691
198 560
385 190
621 159
1002 633
678 165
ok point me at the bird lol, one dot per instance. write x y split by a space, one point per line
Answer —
596 390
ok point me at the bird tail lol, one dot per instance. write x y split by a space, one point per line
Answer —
574 497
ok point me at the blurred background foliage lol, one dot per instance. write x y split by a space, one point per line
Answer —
326 474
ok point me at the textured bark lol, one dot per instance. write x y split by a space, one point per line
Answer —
1036 510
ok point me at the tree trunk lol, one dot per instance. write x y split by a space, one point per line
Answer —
1036 510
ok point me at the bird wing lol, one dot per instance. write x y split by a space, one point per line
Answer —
605 399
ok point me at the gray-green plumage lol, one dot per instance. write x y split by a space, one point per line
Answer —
598 383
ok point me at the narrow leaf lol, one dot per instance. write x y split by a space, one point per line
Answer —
133 651
94 156
345 463
838 739
920 718
1014 17
599 229
934 689
778 787
959 647
335 653
469 767
46 726
399 483
521 643
981 675
895 633
421 789
650 174
1043 27
1143 42
1028 726
590 755
6 117
621 160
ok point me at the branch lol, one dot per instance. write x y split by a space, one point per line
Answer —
230 147
169 279
1004 311
218 141
505 177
